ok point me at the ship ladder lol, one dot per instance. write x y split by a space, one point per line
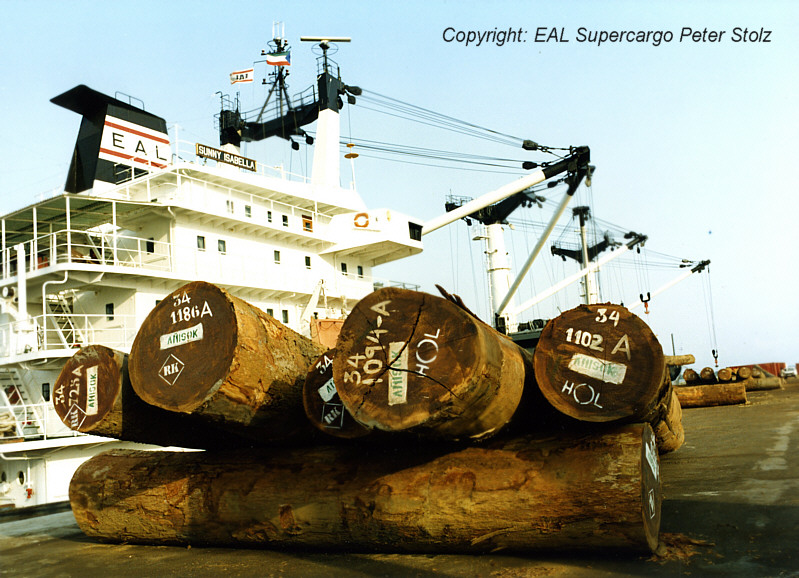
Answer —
18 416
61 314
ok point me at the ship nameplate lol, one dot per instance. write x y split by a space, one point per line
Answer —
226 157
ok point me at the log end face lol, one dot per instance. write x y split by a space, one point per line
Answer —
184 348
322 404
599 363
651 490
88 387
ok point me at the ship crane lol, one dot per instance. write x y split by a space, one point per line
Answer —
326 100
493 208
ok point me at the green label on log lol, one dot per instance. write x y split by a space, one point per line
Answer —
183 336
397 373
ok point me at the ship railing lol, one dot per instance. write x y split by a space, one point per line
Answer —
87 248
62 330
186 151
32 421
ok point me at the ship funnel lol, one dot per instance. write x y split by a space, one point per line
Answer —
117 141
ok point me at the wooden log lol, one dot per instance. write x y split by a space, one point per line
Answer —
762 383
93 395
690 376
600 363
513 494
744 373
712 394
205 352
724 374
323 406
756 372
687 359
414 362
707 375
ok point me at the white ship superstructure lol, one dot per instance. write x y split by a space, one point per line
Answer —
135 222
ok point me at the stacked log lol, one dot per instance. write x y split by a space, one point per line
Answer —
709 388
413 362
212 368
204 352
93 395
712 394
601 363
512 494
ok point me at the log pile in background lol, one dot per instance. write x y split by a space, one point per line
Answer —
706 388
413 366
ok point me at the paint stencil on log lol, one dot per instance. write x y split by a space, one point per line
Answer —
411 361
93 395
205 352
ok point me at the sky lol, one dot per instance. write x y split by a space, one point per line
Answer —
693 139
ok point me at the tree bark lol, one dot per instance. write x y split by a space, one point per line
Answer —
762 383
687 359
601 492
93 395
205 352
712 394
414 362
323 406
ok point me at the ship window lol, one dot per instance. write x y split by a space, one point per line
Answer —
46 391
360 271
343 268
270 312
21 478
247 211
307 223
3 477
229 205
414 231
285 316
307 262
277 257
221 245
150 245
269 216
200 243
285 220
109 311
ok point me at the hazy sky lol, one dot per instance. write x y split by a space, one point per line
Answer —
693 140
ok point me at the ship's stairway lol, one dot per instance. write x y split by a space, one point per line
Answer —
60 311
19 417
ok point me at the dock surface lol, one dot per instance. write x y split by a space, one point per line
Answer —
731 508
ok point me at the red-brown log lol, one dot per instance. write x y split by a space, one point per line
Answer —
712 394
690 376
205 352
601 492
762 383
93 395
323 406
686 359
414 362
707 375
744 372
724 374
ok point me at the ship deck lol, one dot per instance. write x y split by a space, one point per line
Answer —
731 508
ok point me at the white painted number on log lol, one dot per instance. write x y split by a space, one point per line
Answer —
187 313
585 338
323 364
623 345
430 355
652 457
602 318
582 393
